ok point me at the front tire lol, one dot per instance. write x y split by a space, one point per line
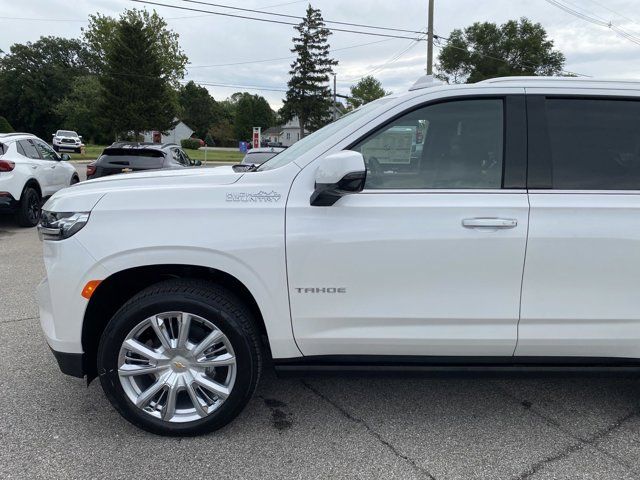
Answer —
181 357
29 208
75 179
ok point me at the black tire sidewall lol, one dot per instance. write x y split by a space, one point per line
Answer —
22 213
127 318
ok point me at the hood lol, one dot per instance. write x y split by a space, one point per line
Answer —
83 196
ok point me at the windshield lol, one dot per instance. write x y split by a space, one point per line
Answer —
317 137
258 157
66 133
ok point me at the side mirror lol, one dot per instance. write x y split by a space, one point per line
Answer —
80 137
197 163
65 157
339 174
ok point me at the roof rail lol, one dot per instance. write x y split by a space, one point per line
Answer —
426 81
554 79
14 134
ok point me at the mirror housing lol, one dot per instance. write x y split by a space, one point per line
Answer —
197 163
338 174
65 157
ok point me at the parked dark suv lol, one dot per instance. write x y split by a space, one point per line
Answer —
124 157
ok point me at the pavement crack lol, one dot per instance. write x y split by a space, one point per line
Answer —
371 431
16 320
527 405
590 441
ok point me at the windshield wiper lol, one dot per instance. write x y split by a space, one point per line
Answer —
245 167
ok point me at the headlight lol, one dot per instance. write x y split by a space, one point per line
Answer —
61 225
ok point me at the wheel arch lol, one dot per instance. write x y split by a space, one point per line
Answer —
120 286
32 182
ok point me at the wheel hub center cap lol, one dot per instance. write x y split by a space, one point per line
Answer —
179 364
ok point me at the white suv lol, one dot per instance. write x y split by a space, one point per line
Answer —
30 171
485 225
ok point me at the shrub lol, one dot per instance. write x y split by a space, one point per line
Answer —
208 140
190 143
5 126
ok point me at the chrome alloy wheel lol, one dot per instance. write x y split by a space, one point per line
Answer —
177 367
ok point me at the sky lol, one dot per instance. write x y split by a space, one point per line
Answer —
213 42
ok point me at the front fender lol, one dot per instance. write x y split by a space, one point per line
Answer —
269 292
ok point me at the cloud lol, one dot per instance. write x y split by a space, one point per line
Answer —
207 39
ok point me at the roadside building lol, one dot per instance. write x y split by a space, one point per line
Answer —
179 132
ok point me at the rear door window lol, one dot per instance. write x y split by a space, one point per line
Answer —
594 143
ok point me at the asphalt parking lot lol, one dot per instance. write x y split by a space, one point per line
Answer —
551 426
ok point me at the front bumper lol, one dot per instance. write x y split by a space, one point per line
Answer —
70 363
69 267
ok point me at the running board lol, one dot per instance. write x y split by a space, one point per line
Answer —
349 365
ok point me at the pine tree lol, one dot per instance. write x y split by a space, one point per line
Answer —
137 96
309 95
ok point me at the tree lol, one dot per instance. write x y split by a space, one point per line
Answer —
198 109
34 77
80 109
137 82
486 50
366 90
251 111
223 134
309 95
102 30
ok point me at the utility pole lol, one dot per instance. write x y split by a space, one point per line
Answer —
335 113
430 40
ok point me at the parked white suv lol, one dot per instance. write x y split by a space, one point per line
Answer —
30 171
67 141
487 225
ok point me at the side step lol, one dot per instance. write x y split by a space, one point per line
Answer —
398 365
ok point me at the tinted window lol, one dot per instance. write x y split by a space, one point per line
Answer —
457 144
46 152
29 149
132 161
595 144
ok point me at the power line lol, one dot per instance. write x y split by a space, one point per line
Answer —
285 58
297 17
246 87
617 30
281 22
392 59
614 12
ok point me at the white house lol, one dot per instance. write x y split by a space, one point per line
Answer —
179 132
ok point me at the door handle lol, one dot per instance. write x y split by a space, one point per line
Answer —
489 222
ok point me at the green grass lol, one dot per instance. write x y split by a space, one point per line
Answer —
216 156
93 151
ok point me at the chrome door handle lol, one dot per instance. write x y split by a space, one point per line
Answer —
489 222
